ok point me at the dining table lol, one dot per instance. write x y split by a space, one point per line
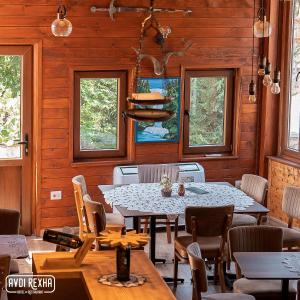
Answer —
284 266
144 200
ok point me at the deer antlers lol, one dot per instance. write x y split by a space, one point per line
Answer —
159 66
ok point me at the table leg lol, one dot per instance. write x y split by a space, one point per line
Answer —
285 289
136 224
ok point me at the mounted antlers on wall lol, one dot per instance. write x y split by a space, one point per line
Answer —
160 66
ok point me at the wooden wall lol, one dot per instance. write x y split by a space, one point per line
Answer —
281 174
221 31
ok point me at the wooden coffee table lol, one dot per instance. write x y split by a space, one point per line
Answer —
267 266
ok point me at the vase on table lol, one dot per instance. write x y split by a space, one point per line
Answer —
181 190
166 193
123 263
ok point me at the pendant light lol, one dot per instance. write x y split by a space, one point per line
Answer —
61 27
267 81
252 85
262 28
262 67
275 88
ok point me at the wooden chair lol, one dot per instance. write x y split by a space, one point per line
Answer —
255 187
153 174
208 226
80 190
109 221
199 277
4 271
257 239
291 206
9 221
96 219
115 221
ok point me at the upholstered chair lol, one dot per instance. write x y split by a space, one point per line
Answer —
9 221
255 187
257 239
291 206
200 285
153 174
208 226
4 271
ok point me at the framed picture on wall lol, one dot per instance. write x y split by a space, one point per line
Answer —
167 131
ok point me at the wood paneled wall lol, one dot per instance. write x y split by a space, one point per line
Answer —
221 32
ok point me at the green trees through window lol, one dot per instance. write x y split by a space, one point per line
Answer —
98 113
10 105
207 96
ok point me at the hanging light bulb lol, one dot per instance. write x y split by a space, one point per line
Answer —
267 81
262 28
275 89
252 92
61 27
262 66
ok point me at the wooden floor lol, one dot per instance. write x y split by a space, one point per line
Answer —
163 250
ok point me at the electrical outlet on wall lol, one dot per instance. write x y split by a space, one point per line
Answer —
55 195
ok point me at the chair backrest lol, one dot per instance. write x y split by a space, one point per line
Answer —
80 190
153 173
210 221
255 187
198 269
9 221
255 239
4 270
291 203
95 213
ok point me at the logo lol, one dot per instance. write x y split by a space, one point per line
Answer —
30 284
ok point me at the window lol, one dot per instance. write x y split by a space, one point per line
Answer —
208 112
291 134
99 103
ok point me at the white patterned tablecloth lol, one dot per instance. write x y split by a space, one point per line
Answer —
146 197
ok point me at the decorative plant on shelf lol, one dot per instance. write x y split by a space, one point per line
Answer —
123 245
166 185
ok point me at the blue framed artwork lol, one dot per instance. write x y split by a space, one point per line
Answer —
167 131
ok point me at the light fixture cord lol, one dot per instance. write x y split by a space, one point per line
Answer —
253 40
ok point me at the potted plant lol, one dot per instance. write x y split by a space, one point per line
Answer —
166 186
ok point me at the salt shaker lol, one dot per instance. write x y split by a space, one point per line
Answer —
181 190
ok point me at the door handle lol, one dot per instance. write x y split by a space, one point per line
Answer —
25 143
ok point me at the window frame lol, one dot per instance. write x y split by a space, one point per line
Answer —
227 148
286 56
120 152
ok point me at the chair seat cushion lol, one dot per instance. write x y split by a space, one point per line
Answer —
210 246
291 237
243 220
114 219
3 295
267 287
228 296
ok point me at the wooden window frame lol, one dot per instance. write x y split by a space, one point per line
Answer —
286 51
120 152
227 148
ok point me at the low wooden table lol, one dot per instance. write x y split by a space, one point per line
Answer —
267 266
100 263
